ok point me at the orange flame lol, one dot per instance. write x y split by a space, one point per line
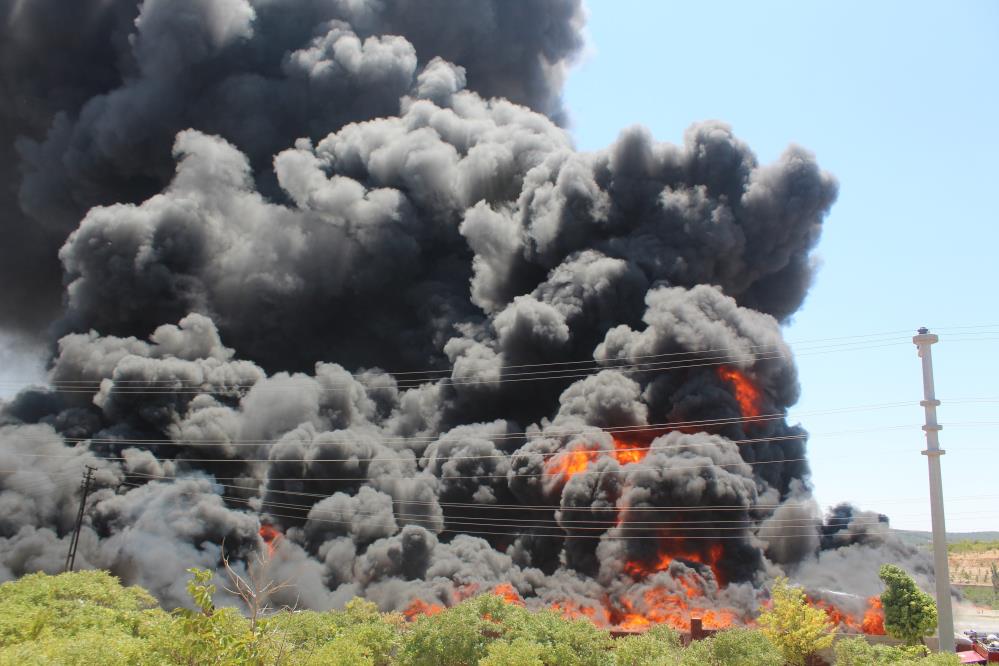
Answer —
664 607
629 452
420 607
746 393
672 549
632 612
271 535
874 618
570 463
872 623
571 609
507 591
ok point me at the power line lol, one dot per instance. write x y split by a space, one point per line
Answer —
799 522
518 507
435 371
553 430
543 454
605 535
148 387
340 460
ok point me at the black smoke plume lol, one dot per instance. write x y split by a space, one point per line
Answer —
298 263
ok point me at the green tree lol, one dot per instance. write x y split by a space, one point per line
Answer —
562 641
797 629
659 646
464 634
84 617
456 636
858 652
910 613
518 652
733 647
357 631
743 647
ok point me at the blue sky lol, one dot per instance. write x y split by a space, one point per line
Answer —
899 100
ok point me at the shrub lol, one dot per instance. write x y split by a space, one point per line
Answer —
84 617
858 652
910 613
796 628
659 646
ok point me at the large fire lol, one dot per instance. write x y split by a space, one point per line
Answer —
650 602
746 393
632 447
872 622
674 610
566 464
569 463
271 536
672 549
659 605
507 591
420 607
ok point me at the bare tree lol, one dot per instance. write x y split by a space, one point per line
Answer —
255 588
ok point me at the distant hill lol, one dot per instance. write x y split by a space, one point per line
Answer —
919 538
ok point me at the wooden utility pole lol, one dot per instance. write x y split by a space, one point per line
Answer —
71 555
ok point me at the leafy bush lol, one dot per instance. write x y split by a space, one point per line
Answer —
518 652
858 652
90 618
659 646
76 618
910 613
464 634
734 647
797 629
743 647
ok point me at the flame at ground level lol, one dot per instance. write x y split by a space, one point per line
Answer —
872 622
419 607
656 605
659 605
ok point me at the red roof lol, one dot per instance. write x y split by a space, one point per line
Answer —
971 657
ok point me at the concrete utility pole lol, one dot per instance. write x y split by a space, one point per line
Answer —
71 555
945 616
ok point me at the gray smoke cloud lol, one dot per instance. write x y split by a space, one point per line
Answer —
294 263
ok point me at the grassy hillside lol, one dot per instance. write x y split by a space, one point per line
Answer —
919 538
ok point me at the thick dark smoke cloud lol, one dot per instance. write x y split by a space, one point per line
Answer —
94 94
306 254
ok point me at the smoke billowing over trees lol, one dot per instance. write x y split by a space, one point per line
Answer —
298 263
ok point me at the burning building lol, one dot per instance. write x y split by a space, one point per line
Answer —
328 280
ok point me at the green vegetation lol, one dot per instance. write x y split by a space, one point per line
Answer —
89 618
972 546
910 613
797 629
858 652
983 596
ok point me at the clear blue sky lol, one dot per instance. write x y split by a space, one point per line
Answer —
900 101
